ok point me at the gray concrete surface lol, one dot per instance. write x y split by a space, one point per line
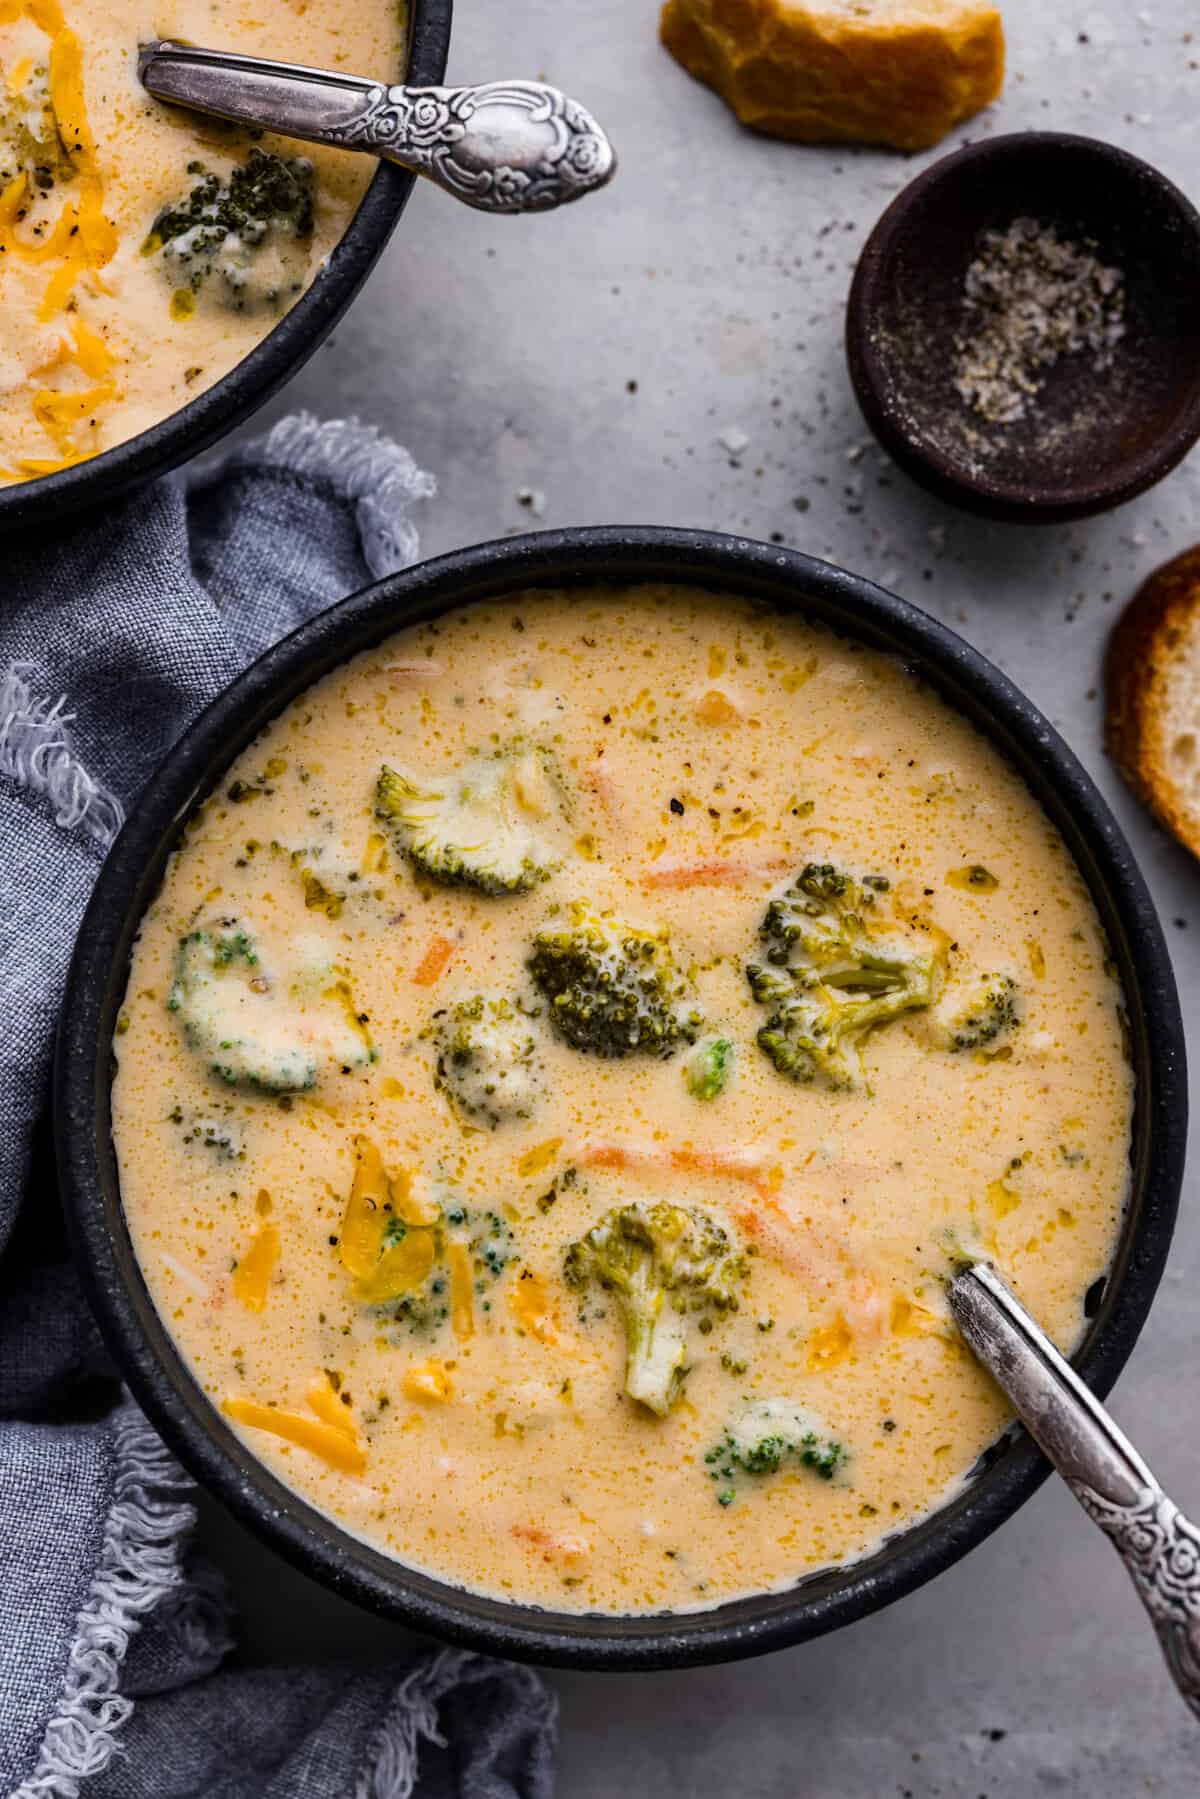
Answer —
713 275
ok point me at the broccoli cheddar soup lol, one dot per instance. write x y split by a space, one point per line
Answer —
565 1061
144 250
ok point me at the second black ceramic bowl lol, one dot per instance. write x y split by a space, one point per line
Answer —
1094 437
214 413
778 579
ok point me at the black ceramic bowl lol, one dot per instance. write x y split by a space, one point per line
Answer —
232 399
780 579
1091 439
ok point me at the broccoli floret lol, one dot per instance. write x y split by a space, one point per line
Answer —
708 1068
767 1435
223 1137
663 1264
487 1060
422 1314
244 239
988 1018
254 1030
829 980
613 990
423 1310
476 827
30 142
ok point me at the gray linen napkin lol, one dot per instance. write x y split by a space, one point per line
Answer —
115 631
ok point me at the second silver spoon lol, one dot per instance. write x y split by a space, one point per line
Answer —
506 146
1159 1546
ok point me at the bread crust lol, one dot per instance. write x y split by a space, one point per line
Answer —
1145 648
819 76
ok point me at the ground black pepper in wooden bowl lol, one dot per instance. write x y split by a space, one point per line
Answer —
1030 298
1021 329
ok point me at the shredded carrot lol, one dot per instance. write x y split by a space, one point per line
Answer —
333 1446
462 1304
555 1545
252 1276
732 1164
715 873
807 1253
606 1155
432 965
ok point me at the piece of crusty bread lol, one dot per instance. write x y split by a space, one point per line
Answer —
899 72
1153 696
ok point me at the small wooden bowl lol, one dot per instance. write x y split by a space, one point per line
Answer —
1091 438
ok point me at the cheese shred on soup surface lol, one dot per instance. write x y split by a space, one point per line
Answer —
565 1061
144 251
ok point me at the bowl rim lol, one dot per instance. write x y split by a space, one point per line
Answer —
939 472
198 424
95 987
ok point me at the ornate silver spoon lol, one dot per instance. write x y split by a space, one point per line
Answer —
1158 1545
508 146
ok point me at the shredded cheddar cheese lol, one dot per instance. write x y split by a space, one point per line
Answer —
532 1307
330 1407
330 1444
364 1217
252 1276
830 1344
462 1305
427 1381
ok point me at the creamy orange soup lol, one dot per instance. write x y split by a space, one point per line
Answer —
525 1233
143 250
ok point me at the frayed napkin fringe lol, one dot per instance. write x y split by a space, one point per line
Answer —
197 1616
139 1567
361 465
393 1756
36 754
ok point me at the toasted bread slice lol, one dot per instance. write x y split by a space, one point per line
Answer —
899 72
1153 696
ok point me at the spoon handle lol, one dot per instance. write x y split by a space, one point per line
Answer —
507 146
1159 1546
